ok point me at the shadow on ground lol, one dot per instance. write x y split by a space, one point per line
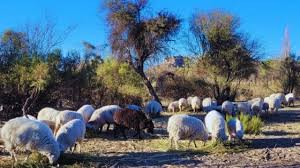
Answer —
129 159
273 142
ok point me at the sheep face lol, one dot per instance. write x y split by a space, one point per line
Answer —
148 126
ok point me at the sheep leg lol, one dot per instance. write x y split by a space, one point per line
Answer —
116 128
138 133
123 132
171 142
13 156
79 146
176 144
107 129
27 155
195 143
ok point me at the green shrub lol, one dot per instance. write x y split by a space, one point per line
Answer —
251 124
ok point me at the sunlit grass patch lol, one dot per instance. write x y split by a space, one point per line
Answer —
163 145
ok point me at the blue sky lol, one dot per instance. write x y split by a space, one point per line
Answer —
263 19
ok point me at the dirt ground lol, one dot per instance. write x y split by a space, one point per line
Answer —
277 146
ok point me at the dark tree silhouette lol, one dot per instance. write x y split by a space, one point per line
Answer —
136 35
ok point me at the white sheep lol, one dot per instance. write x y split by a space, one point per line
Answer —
71 132
290 99
153 109
134 107
173 106
216 125
48 114
208 104
64 117
235 129
23 133
86 111
279 96
189 100
196 103
182 126
274 103
244 107
228 107
182 102
102 116
256 105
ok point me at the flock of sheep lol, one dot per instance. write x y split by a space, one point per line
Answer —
53 132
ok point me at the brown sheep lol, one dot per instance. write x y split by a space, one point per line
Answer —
126 119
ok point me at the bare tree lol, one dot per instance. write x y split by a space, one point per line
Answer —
137 36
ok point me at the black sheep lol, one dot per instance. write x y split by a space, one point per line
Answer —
126 119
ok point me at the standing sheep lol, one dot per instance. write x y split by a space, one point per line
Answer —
127 118
216 125
208 104
70 133
274 103
102 116
182 103
189 100
281 98
173 106
153 109
182 126
196 103
86 111
30 135
228 108
48 114
290 99
235 129
64 117
244 107
256 105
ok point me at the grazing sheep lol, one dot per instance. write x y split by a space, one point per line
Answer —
102 116
281 98
182 126
134 107
208 104
173 106
235 129
216 125
196 103
189 100
86 111
48 114
274 103
23 133
265 107
153 109
228 108
127 118
64 117
256 105
182 103
71 132
244 107
290 99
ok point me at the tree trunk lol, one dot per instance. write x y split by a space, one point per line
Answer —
149 86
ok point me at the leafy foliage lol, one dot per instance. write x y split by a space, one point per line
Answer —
137 36
227 53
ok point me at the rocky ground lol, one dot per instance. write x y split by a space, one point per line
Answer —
277 146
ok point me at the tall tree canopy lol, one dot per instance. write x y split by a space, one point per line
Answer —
228 55
137 35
